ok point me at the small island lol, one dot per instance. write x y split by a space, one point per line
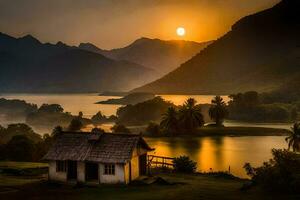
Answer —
130 99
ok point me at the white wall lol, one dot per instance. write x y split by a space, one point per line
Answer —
56 176
81 172
118 177
126 173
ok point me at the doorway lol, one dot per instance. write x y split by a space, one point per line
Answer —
72 170
91 171
143 164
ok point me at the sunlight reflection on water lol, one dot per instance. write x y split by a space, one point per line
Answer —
219 153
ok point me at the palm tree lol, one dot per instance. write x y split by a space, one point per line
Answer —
294 138
170 120
218 110
190 116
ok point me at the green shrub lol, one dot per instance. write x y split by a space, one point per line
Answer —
280 174
153 129
184 164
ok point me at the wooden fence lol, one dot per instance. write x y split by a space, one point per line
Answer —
159 161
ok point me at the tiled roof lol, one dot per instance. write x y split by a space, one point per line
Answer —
94 147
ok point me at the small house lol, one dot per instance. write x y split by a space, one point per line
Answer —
97 158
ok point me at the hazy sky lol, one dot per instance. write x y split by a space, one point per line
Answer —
116 23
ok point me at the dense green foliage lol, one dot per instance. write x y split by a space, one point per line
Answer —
170 122
6 134
184 164
20 143
280 174
143 113
153 129
186 119
294 138
75 124
190 116
12 109
251 106
49 116
218 110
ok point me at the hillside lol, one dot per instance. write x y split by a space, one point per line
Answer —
162 56
27 65
260 53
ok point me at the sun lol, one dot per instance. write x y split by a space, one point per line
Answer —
180 31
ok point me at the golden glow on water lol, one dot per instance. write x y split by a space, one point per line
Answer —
209 152
218 153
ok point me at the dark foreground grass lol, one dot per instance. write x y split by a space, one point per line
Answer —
208 187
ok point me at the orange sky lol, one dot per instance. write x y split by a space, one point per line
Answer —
116 23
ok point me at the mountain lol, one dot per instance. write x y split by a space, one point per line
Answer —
162 56
261 52
27 65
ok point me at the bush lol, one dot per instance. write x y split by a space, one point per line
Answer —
20 148
153 129
280 174
120 128
143 113
75 125
184 164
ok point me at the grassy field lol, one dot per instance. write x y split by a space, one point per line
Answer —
185 187
19 173
21 165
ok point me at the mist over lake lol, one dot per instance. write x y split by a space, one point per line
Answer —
211 153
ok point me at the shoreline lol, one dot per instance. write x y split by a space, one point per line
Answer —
229 132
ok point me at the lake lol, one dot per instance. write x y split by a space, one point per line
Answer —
217 153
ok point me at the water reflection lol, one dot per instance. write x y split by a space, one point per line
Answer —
218 153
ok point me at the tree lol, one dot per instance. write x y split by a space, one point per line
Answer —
19 129
98 118
153 129
75 125
51 108
279 174
20 148
218 110
119 128
190 116
294 138
56 131
169 120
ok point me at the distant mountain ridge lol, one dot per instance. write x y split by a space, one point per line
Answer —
161 55
27 65
261 52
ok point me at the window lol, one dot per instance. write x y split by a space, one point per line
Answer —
109 169
61 166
